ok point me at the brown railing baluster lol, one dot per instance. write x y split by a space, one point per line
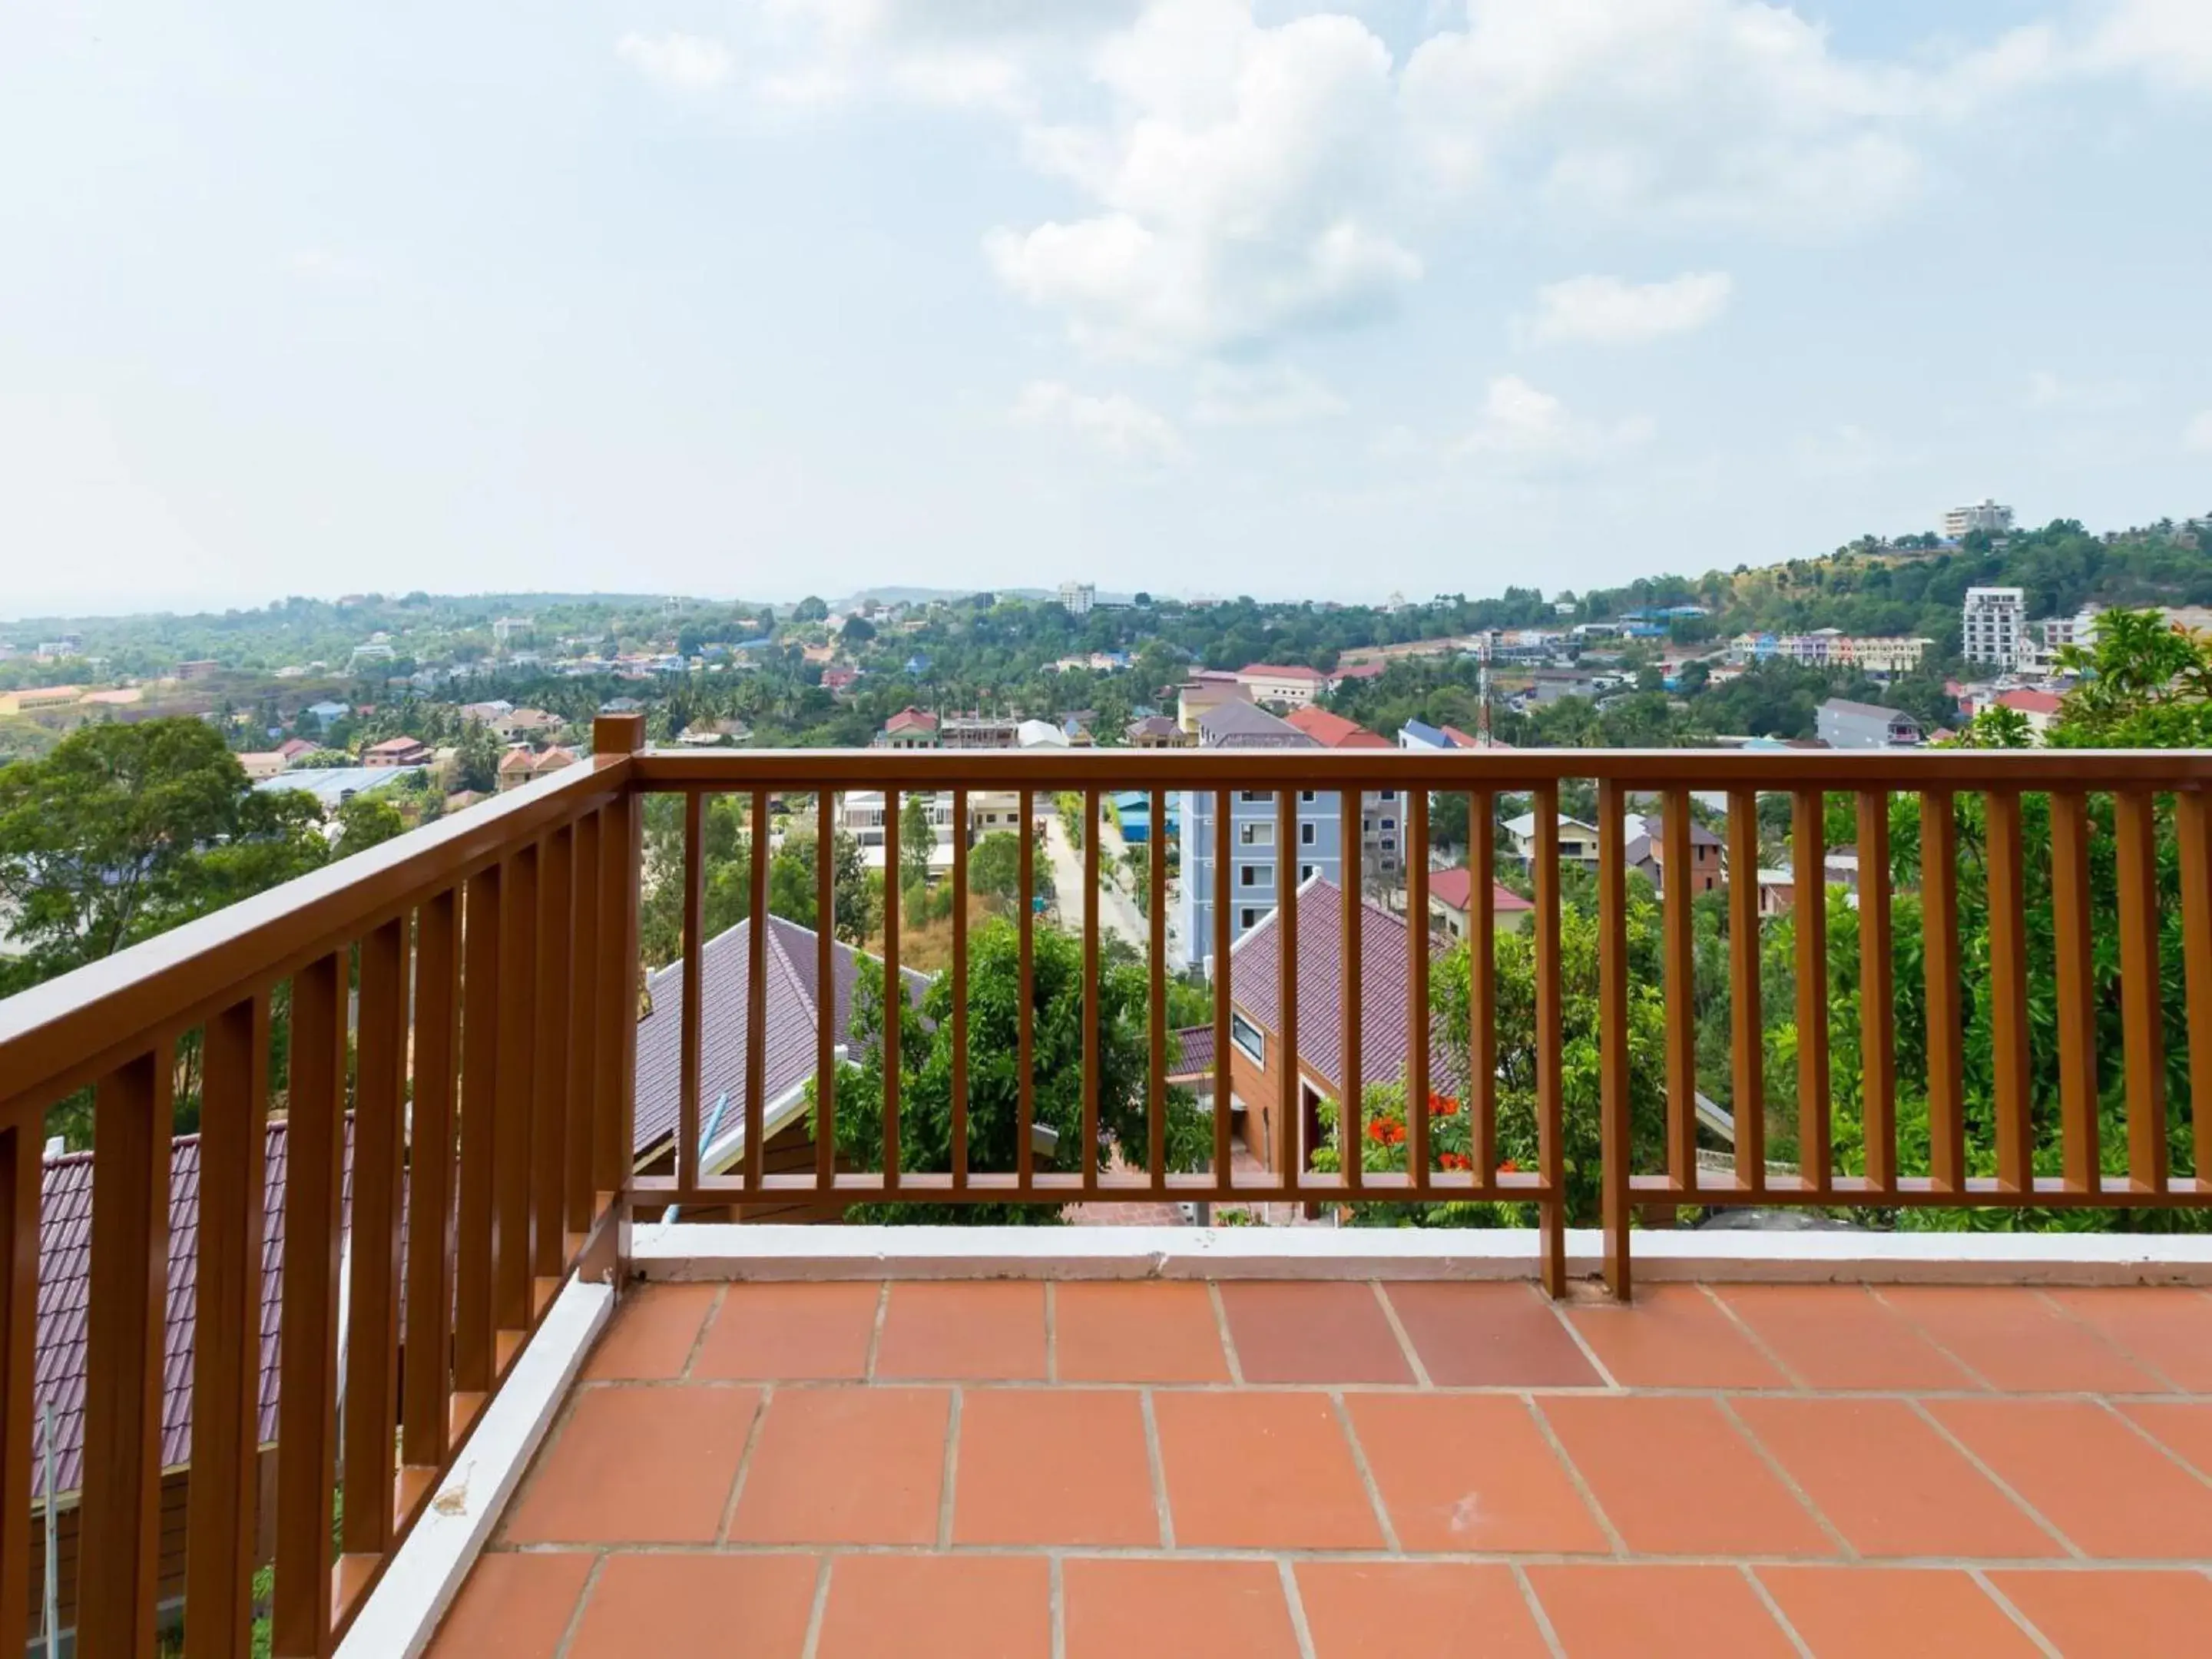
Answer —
1482 984
1156 894
430 1232
620 876
826 1029
960 822
691 1037
894 988
372 1374
306 1411
2193 822
514 1294
1224 1161
22 1168
120 1499
1417 991
1877 996
1025 1010
476 1257
1351 820
1092 1008
549 1049
1551 1145
585 984
1615 1144
1939 931
1287 1099
756 993
2142 1011
2073 930
1809 851
1747 1034
2008 1056
1676 876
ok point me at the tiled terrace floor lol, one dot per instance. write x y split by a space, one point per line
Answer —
1347 1471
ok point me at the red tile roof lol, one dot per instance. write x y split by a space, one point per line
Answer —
2028 701
1451 888
1334 731
1256 988
1360 671
910 719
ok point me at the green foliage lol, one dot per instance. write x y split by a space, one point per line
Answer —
367 820
792 884
726 852
478 764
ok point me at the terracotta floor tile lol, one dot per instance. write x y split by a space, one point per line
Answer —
2094 1478
734 1606
791 1333
1879 1613
1470 1472
846 1466
1408 1610
652 1333
938 1606
2113 1615
1675 1477
983 1331
1485 1335
637 1466
513 1607
1176 1610
2185 1427
1838 1336
1109 1333
2017 1341
1312 1332
1657 1613
1673 1336
1891 1483
1053 1466
2168 1327
1260 1470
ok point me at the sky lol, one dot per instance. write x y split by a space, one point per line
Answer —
766 297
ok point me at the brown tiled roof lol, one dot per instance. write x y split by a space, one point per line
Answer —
1190 1051
65 1287
793 1009
1255 987
1451 888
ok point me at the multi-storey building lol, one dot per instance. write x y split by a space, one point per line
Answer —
1993 627
1290 684
1988 516
1078 598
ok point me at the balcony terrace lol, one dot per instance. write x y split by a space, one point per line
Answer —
621 1406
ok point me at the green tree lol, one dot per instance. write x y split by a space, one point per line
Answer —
792 888
994 872
365 821
476 767
917 841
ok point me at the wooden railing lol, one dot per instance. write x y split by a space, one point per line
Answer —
460 1006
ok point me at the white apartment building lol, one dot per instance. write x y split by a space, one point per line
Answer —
860 815
2080 628
1078 597
1993 627
1988 516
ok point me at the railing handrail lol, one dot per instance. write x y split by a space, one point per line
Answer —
59 1035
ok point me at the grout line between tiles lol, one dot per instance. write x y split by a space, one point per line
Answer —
1774 1466
1366 1473
2097 1335
1221 1329
1743 1327
699 1342
1574 1335
1157 1461
2187 1468
813 1643
1405 1341
1932 1339
1294 1604
744 1463
576 1613
1057 1594
876 1331
1774 1610
1582 1487
1998 1480
952 1471
1538 1612
2012 1612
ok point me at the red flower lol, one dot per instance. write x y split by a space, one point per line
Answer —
1443 1105
1454 1160
1509 1168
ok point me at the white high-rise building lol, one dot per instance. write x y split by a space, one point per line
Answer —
1960 520
1078 598
1993 627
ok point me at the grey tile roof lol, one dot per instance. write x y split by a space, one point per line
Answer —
793 1005
1247 725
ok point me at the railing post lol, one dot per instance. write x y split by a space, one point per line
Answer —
1615 1153
614 1110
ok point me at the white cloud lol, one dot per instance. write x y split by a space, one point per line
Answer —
2047 393
1522 429
2197 436
682 62
1114 422
1241 183
1606 311
1269 395
2169 41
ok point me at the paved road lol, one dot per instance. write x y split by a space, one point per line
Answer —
1116 914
